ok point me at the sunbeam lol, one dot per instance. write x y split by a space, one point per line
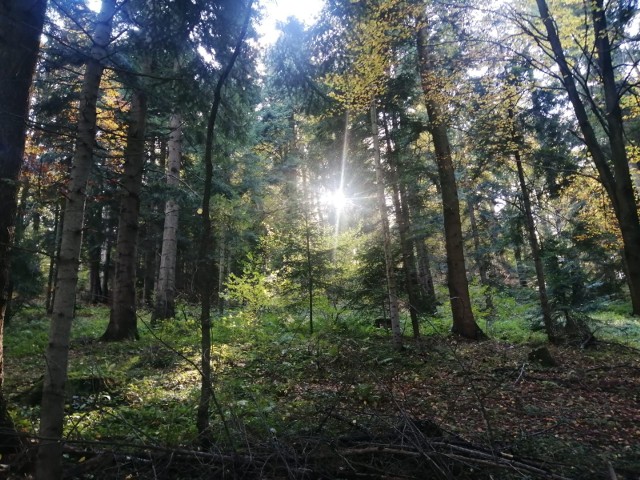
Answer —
339 197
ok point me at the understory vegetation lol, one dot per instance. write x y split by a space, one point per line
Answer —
340 403
396 240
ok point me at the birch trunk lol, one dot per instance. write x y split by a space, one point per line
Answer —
57 354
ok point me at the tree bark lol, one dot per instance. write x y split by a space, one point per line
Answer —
165 294
54 254
520 268
535 253
107 267
481 262
57 354
18 235
95 240
123 322
464 323
390 274
418 237
614 175
204 277
21 24
306 214
408 259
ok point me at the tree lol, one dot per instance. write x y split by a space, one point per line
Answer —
463 319
123 322
57 354
165 293
21 23
205 269
358 88
612 165
533 240
386 234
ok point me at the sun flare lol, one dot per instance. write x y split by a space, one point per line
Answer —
335 199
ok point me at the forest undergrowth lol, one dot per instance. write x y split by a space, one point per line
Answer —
338 404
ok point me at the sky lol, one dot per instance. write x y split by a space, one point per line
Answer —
275 11
279 10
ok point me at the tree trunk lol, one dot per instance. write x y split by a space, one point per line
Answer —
54 255
402 219
481 261
464 322
20 27
95 240
165 294
123 322
18 234
57 354
306 213
203 274
418 237
149 281
535 253
617 180
394 313
222 247
107 264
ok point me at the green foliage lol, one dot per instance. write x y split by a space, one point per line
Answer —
28 333
254 291
26 274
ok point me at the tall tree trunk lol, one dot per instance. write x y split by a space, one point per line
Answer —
390 274
54 254
123 322
222 248
418 237
520 268
203 274
17 238
481 261
149 281
95 240
57 354
165 294
408 259
107 264
614 175
464 322
535 253
20 28
158 230
307 235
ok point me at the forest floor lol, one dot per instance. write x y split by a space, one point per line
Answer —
336 404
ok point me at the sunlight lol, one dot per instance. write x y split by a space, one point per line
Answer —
279 10
94 5
335 199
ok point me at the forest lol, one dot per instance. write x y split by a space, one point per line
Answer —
401 241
